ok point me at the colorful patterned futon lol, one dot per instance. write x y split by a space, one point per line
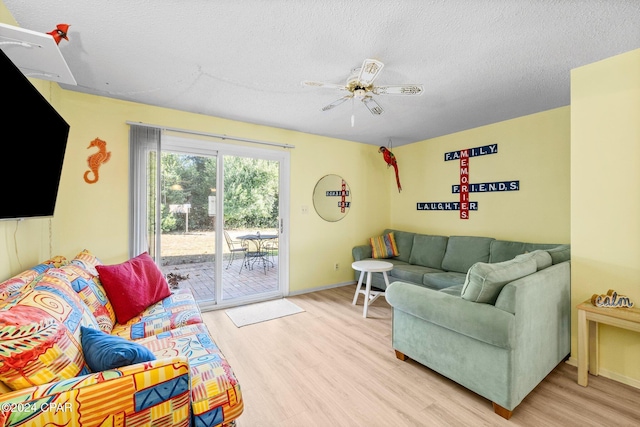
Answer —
42 361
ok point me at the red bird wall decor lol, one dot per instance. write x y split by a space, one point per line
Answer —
60 33
391 161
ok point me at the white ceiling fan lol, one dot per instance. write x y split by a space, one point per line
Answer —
360 86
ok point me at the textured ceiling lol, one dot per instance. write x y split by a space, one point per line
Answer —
480 61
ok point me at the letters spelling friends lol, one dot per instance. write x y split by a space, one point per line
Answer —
464 205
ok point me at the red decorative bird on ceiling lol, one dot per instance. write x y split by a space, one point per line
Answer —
60 33
391 161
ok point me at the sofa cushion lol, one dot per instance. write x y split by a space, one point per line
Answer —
40 337
404 242
410 272
87 260
133 285
455 291
443 280
464 251
13 285
88 287
560 253
542 258
36 349
504 250
52 294
178 309
484 281
383 246
428 250
103 351
215 392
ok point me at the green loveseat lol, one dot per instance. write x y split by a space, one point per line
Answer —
491 315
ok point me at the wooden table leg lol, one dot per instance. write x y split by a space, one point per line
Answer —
594 345
583 348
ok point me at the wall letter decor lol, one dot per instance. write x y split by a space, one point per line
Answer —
464 187
332 198
611 299
96 160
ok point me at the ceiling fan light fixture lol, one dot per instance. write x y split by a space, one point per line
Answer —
360 85
360 92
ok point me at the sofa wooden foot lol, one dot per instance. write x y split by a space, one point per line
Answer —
503 412
401 355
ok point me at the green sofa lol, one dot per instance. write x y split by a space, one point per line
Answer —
491 315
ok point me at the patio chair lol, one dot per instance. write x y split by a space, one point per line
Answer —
254 252
271 247
235 246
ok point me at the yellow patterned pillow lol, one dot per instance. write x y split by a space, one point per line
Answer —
87 261
384 246
89 288
15 284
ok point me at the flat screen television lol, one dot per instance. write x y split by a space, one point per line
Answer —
34 139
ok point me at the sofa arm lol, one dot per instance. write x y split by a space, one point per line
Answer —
361 252
532 292
155 392
542 306
476 320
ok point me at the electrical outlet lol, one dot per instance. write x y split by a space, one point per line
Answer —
304 209
336 266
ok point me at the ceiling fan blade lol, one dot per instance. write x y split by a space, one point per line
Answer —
372 105
324 85
398 90
336 103
369 71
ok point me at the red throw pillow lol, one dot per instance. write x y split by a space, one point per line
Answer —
133 285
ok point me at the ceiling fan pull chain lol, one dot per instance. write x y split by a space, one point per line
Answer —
353 114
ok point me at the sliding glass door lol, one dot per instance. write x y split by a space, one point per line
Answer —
210 214
251 222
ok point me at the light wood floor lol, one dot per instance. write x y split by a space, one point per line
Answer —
328 366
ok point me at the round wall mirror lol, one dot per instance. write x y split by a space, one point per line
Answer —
332 198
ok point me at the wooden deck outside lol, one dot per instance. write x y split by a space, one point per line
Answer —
236 283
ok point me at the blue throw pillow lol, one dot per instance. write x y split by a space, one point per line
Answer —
103 351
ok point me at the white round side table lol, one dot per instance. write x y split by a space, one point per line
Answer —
368 267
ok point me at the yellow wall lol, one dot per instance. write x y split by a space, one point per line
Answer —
533 149
605 198
96 216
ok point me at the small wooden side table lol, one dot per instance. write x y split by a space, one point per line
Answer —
588 318
367 267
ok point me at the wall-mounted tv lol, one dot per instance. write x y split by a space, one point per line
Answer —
34 140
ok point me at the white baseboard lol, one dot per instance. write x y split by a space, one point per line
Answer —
608 374
321 288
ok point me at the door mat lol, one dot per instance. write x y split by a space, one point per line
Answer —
261 312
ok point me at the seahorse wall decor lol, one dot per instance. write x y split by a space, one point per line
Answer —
96 160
